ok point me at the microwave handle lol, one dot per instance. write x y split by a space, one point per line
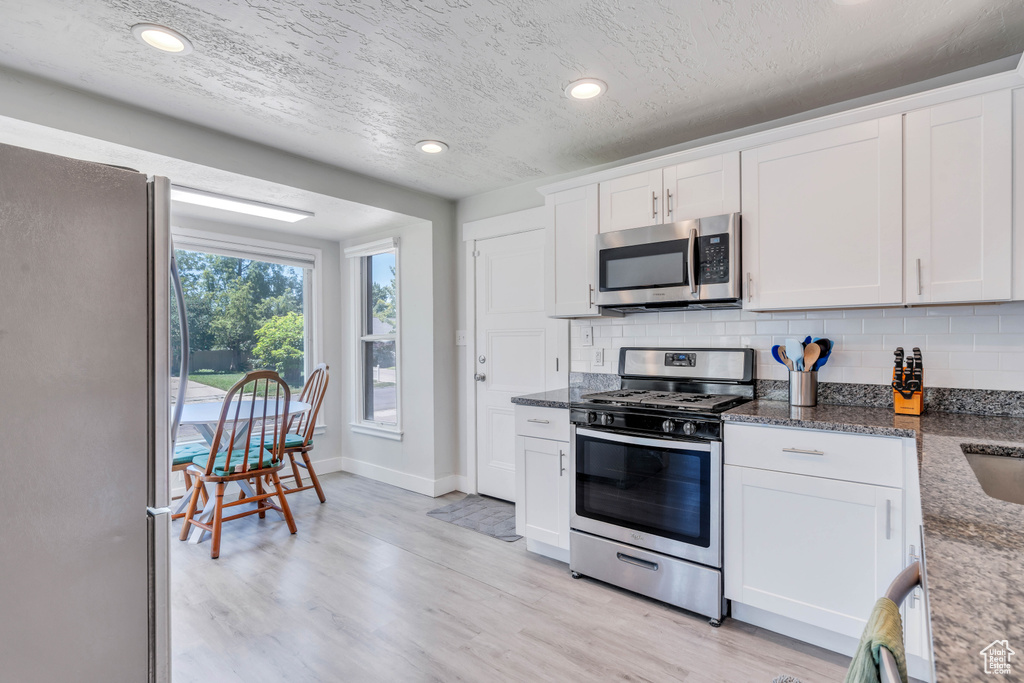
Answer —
691 270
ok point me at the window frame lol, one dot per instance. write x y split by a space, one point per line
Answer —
310 259
362 289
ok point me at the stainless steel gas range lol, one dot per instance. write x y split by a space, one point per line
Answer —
647 496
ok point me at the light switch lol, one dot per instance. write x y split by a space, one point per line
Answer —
587 336
597 356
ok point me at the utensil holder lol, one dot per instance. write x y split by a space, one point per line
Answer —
803 388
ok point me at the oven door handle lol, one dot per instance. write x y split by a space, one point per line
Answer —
705 447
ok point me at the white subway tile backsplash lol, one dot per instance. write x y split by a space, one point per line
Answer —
974 324
843 326
772 327
965 346
883 325
927 325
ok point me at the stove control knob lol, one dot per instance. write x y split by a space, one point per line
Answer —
607 419
668 426
689 428
591 417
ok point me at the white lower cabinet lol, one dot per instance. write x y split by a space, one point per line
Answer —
817 524
543 473
542 499
815 550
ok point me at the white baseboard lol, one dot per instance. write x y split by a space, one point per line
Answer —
404 480
547 550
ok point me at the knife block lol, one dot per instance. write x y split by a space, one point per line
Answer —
908 406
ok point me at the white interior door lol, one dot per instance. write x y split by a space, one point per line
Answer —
519 350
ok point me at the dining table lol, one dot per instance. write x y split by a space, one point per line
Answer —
205 416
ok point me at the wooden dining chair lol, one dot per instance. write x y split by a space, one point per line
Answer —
299 436
256 403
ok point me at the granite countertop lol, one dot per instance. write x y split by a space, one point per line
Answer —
556 398
974 544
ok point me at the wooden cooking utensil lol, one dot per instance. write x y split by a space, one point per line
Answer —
811 354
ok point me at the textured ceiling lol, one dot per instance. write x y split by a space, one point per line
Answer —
357 83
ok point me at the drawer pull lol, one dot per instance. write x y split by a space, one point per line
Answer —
538 421
801 451
636 561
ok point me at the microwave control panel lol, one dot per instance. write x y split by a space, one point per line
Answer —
713 259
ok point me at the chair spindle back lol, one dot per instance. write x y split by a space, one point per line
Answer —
260 396
313 394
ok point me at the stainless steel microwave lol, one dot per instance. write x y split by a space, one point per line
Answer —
688 264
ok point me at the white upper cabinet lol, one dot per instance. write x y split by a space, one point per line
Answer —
632 201
705 187
569 253
823 218
959 203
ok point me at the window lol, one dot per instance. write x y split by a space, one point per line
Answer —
378 337
250 305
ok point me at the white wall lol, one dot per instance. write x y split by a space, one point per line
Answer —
967 347
423 461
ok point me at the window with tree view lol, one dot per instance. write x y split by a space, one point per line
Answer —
379 339
243 314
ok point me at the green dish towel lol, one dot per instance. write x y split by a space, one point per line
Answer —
884 629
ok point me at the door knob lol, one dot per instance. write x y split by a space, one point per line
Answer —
479 377
482 359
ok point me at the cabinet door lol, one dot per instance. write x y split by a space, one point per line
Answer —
542 502
823 218
570 259
816 550
959 185
706 187
633 201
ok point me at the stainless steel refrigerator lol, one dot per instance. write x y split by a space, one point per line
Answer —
84 421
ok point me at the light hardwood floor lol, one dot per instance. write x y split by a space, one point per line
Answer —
371 589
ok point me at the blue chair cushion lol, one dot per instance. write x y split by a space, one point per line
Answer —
185 453
236 461
291 440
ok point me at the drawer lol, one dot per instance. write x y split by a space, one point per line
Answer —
847 457
542 423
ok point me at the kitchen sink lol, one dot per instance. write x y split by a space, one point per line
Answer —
999 469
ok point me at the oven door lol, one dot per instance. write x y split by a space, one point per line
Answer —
661 494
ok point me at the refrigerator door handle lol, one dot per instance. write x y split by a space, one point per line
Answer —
179 296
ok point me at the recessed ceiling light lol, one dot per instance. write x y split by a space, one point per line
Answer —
431 146
162 38
585 88
219 201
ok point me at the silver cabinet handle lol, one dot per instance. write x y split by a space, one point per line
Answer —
802 451
750 293
590 297
691 256
888 519
561 462
654 204
919 277
479 377
668 203
539 421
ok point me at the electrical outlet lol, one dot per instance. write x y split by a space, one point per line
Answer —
587 336
597 356
460 337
